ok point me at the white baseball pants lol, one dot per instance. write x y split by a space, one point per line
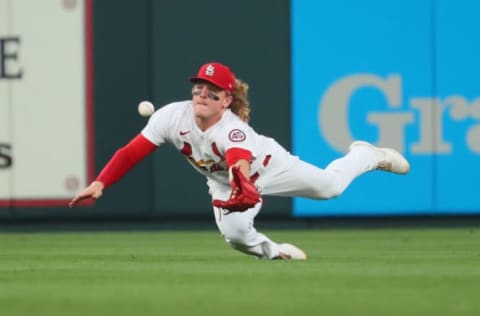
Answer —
300 179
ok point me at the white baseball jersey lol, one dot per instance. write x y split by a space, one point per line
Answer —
205 150
273 170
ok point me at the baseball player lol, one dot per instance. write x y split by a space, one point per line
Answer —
211 130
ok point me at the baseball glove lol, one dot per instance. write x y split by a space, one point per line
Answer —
244 193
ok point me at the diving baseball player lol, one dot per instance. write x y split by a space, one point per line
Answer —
211 131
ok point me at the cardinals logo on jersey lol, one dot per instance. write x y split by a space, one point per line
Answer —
207 165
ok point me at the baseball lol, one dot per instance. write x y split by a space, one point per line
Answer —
146 108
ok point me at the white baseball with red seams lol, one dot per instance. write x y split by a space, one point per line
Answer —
276 171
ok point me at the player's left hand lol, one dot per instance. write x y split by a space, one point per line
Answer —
244 193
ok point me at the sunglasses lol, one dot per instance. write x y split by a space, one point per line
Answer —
210 95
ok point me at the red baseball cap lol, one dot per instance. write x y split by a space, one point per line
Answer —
217 74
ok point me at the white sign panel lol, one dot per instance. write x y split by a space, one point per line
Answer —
45 101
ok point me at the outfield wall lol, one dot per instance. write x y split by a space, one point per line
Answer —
400 73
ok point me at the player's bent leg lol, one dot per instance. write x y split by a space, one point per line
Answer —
239 233
238 230
271 250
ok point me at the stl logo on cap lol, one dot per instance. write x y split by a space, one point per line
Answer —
210 70
217 74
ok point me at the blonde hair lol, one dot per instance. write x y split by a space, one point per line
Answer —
240 105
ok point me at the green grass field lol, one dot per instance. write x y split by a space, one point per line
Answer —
349 272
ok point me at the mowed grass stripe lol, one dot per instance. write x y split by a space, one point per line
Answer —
349 272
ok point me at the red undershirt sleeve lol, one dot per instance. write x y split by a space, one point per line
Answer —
235 154
125 159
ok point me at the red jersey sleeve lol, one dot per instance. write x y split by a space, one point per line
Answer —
125 159
235 154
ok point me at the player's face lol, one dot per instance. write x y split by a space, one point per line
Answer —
209 103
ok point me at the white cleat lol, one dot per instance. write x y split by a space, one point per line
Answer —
388 158
291 252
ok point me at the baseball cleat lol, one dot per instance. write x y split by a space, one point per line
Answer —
388 158
291 252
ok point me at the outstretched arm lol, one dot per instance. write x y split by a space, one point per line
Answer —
122 161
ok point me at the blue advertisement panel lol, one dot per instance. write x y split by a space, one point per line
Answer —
458 67
381 71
